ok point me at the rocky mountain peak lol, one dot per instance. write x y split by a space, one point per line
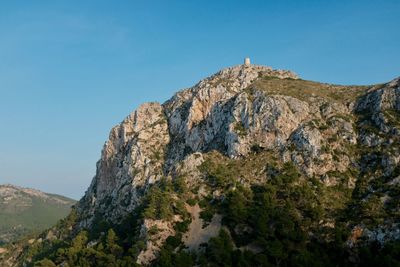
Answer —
240 76
231 112
237 111
151 140
254 157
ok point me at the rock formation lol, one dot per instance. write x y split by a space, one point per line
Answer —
233 112
252 122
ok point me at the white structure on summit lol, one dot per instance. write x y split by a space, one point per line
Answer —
247 61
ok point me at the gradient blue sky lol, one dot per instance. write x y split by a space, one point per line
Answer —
70 70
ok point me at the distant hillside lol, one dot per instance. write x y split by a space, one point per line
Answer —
23 211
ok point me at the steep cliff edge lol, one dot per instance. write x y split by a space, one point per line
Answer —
262 157
151 140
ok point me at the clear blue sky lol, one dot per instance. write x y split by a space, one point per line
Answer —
70 70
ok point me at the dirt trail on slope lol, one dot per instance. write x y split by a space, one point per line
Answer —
196 234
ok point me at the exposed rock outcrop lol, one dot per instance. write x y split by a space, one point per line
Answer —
197 119
231 113
131 160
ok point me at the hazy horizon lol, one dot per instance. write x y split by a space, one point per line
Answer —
71 70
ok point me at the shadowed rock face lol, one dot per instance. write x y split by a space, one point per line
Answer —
236 111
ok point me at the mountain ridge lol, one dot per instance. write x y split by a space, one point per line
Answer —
27 210
33 191
271 160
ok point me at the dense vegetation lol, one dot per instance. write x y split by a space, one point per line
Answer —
112 245
284 221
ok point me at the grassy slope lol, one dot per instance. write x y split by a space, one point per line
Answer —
303 89
17 220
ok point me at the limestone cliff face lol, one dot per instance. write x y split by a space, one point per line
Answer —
155 137
203 117
237 111
131 159
379 123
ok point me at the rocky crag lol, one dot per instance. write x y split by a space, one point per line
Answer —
152 140
326 155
